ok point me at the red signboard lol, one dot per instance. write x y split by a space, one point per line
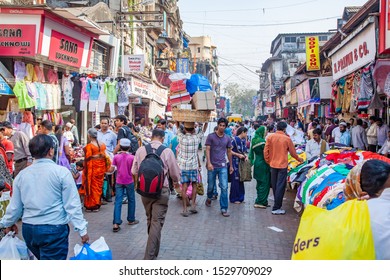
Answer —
17 40
65 50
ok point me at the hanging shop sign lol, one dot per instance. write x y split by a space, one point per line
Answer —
182 65
303 93
17 40
358 52
134 63
4 87
160 95
65 49
312 53
135 100
141 88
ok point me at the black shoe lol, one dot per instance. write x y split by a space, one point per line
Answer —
215 197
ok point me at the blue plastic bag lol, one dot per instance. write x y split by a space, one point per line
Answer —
196 83
98 250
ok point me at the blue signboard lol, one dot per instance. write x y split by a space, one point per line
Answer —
4 87
182 65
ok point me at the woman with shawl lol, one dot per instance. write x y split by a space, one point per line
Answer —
237 190
261 170
371 180
96 164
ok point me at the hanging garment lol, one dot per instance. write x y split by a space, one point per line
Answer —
39 74
19 70
30 73
76 92
110 91
123 93
92 105
41 97
52 76
102 97
28 118
49 97
121 110
340 95
112 110
93 88
348 88
376 102
356 91
67 87
15 118
366 89
32 90
84 94
21 92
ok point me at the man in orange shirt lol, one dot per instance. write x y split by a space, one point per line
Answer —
276 150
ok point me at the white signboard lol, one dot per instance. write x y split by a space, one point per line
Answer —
355 54
134 63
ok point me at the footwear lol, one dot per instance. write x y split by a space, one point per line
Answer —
193 211
225 214
208 202
125 201
95 210
260 206
133 222
237 202
173 192
103 202
215 197
184 214
116 229
278 212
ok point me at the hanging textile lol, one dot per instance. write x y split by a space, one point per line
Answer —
102 96
366 89
340 95
76 92
93 89
84 94
21 92
19 70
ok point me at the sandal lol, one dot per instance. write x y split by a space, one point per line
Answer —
116 229
184 214
193 211
225 214
133 222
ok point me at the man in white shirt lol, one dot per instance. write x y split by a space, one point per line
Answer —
316 146
336 134
372 135
359 137
385 150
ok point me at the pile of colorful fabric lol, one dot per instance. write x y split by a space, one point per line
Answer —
321 180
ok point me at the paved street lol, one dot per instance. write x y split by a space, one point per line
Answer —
206 235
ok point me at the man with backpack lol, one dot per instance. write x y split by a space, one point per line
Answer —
152 165
124 132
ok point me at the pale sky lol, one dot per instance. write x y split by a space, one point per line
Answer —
250 45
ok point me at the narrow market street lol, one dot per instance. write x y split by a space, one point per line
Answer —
204 236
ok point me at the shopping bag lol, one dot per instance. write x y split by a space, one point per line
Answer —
98 250
343 233
245 170
199 186
12 248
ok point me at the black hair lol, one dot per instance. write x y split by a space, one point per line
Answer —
373 118
256 126
105 118
317 131
215 128
40 146
190 129
162 121
359 122
281 126
379 120
47 124
270 128
58 132
159 133
97 126
223 120
241 130
122 118
373 176
336 121
80 163
123 148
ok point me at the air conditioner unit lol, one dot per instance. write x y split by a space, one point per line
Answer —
161 63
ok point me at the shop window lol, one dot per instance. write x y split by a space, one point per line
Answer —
140 38
100 59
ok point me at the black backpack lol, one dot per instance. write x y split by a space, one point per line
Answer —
151 173
133 140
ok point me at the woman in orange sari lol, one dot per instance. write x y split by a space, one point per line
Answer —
96 164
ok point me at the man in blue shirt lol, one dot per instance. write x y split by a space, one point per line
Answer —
162 124
107 136
46 208
345 137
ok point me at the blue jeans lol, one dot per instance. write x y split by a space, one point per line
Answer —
47 242
222 174
119 193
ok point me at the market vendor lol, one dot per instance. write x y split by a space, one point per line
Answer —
316 146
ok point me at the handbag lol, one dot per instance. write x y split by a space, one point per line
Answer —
244 168
199 186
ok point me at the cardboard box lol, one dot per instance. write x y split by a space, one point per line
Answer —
185 106
181 98
178 86
204 100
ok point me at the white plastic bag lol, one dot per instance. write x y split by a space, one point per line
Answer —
12 248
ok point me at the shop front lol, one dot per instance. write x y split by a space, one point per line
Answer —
42 56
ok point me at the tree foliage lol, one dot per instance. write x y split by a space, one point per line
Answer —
241 99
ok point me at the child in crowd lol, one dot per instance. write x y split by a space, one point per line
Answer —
77 172
123 162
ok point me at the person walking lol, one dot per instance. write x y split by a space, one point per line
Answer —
218 145
22 155
75 133
372 135
188 161
359 137
9 150
123 161
63 149
96 164
45 208
107 136
276 150
46 127
345 136
156 208
237 189
261 170
382 130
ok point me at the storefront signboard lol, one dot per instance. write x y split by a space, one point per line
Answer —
4 87
134 63
17 40
160 95
355 54
312 53
141 88
65 50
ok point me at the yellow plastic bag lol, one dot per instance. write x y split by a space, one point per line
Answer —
343 233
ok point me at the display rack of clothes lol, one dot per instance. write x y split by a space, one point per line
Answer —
123 91
110 89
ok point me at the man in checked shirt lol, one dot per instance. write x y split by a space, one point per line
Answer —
188 161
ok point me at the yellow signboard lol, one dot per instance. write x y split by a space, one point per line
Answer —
312 53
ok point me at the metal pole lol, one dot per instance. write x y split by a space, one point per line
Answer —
122 45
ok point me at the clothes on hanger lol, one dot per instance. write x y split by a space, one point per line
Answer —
67 87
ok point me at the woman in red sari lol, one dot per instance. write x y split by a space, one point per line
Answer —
96 164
